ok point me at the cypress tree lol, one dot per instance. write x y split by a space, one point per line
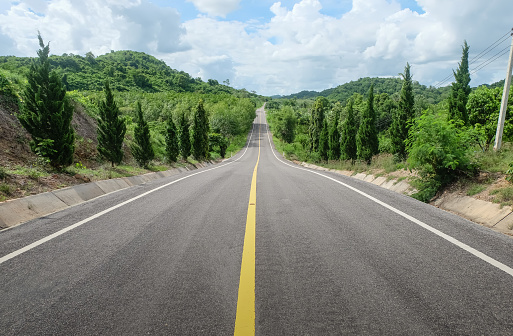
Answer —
348 135
324 141
185 140
200 130
316 123
460 89
367 136
403 116
334 134
46 112
111 129
142 150
172 148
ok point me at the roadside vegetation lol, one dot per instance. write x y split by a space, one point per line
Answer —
442 137
120 114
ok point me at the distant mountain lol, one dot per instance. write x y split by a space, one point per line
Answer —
381 85
126 71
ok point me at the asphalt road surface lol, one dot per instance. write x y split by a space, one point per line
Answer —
333 256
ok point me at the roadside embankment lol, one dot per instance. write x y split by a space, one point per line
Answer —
17 211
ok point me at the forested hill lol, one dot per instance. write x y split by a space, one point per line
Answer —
381 85
126 70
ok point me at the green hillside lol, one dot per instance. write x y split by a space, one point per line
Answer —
389 86
126 70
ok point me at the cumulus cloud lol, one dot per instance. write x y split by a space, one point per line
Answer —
298 48
77 26
216 7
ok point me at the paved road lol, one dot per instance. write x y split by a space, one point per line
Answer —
334 256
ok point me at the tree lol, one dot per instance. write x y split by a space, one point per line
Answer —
185 140
316 122
172 147
200 130
219 143
403 117
367 137
142 150
438 151
460 89
348 135
483 108
111 129
324 141
46 112
334 134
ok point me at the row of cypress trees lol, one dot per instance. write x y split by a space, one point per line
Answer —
46 113
352 141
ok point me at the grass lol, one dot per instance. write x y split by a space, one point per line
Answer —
504 196
6 189
475 189
33 172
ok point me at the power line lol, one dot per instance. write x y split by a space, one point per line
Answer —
491 47
491 60
479 56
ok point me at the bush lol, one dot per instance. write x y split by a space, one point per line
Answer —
438 151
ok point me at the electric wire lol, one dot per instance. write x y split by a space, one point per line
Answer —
486 62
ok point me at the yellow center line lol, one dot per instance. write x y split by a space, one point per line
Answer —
245 318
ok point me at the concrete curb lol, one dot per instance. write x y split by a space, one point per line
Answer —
485 213
17 211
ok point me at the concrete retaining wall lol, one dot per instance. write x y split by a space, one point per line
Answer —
17 211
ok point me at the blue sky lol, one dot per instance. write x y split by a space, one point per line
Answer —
267 46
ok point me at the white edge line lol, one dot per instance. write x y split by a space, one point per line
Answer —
439 233
99 214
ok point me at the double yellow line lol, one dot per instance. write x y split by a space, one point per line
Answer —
245 318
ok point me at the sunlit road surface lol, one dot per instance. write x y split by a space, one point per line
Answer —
325 255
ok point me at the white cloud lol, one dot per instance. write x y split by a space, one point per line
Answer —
216 7
76 26
299 48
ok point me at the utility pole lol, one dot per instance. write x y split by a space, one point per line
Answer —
504 102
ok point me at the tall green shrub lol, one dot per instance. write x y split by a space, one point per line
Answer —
438 151
348 135
142 150
403 116
367 143
460 89
200 130
111 129
185 139
334 134
172 145
46 112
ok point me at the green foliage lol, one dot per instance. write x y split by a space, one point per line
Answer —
284 122
200 130
324 141
403 117
141 149
172 145
317 122
483 107
184 137
334 134
348 135
218 143
438 151
111 129
367 143
46 112
460 89
390 86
